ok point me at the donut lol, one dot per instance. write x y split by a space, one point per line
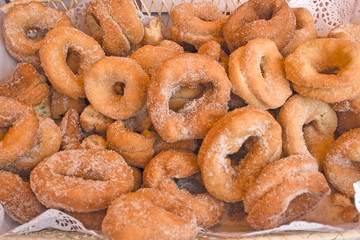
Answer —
153 32
17 198
195 119
213 50
349 31
196 23
101 78
137 172
71 134
341 162
165 166
226 137
81 180
304 30
137 149
23 126
23 17
47 144
308 127
312 68
93 142
150 57
257 74
53 54
93 121
61 103
284 190
184 95
149 214
120 23
260 19
140 122
26 85
90 220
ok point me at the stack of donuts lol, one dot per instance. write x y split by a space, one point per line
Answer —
144 137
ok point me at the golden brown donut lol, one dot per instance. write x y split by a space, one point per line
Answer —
150 57
53 54
120 23
213 50
196 118
93 142
153 32
257 74
17 198
196 23
149 214
23 126
341 162
308 127
226 137
61 103
99 84
307 69
81 180
304 30
260 19
137 172
71 134
29 16
349 31
165 166
284 190
93 121
26 85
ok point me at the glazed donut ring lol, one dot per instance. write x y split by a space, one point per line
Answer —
225 138
304 30
28 16
21 118
305 67
17 198
81 180
165 166
308 127
284 190
99 87
196 23
149 214
53 54
341 162
260 19
257 74
196 118
349 31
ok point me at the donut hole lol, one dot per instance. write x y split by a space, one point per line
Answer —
119 88
73 61
330 71
262 60
36 34
88 174
193 184
184 95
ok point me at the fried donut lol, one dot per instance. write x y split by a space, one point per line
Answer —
101 78
53 54
24 17
23 126
93 142
153 32
225 138
150 57
308 127
304 30
120 22
17 198
341 162
71 134
26 85
257 74
349 31
47 144
307 68
161 170
213 50
81 180
149 214
93 121
284 190
260 19
61 103
196 23
196 118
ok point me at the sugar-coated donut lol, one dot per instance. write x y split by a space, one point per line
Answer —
53 54
27 16
165 166
284 190
196 23
71 134
61 103
257 74
99 84
196 118
226 137
81 180
308 127
349 31
149 214
260 19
